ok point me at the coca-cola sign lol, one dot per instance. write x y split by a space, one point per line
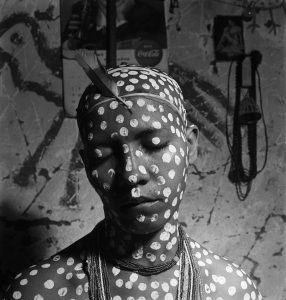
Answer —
148 53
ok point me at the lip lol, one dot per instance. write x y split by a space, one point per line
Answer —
136 202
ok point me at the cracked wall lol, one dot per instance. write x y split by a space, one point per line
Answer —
45 200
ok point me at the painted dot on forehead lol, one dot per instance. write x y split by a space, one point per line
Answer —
133 80
170 117
120 83
146 86
157 125
178 133
140 102
129 88
142 76
151 108
113 105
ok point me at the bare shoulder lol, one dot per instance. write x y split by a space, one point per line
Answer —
61 275
221 278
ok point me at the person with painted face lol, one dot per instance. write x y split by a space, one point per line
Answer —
137 145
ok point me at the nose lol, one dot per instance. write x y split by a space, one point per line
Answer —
133 170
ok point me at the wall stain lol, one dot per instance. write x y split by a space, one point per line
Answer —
23 224
28 168
50 57
200 110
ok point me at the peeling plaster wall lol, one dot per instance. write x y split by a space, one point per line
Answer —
45 200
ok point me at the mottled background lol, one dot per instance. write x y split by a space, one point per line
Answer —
45 200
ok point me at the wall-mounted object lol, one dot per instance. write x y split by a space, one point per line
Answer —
228 38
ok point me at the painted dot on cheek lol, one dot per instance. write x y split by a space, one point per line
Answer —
154 168
161 180
142 170
171 174
167 192
167 214
177 160
166 157
138 153
145 118
175 201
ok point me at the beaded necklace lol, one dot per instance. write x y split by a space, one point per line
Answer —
190 286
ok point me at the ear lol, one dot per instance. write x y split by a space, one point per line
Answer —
192 135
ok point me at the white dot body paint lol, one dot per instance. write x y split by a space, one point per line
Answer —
166 157
154 169
128 166
156 140
136 192
140 218
133 123
142 169
120 119
125 148
145 118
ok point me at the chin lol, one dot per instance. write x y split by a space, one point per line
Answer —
146 227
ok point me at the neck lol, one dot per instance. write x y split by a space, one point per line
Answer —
144 249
